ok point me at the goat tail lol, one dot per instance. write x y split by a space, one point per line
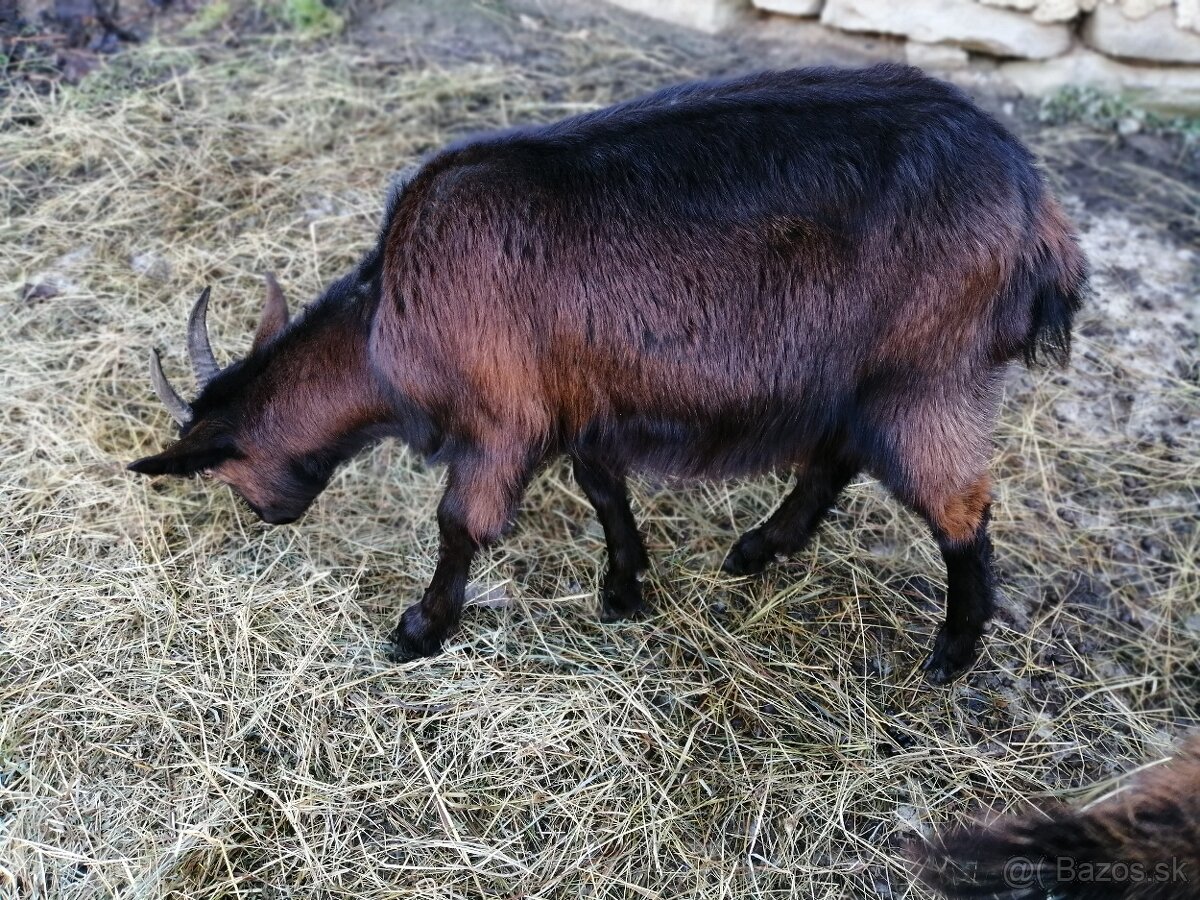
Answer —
1051 285
1142 844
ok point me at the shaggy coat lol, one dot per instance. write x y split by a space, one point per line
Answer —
820 271
1142 844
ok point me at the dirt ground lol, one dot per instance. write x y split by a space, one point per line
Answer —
195 705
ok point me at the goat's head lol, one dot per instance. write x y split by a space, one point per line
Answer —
269 426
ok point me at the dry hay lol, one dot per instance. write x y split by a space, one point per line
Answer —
195 705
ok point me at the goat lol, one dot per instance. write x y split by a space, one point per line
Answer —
821 271
1141 844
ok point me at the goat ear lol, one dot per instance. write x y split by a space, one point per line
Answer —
193 453
274 314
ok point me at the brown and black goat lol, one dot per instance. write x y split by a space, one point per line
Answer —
822 271
1142 843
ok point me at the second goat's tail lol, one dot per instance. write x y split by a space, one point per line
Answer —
1142 844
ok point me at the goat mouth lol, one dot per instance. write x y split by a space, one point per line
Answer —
270 517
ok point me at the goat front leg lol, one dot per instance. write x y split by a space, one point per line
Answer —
481 494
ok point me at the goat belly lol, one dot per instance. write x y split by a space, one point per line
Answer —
702 445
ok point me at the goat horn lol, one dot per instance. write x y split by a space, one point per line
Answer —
180 411
204 364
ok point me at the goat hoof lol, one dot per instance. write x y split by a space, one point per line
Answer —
750 555
621 598
951 658
415 637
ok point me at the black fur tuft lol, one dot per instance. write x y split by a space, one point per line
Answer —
1054 279
1053 314
1141 844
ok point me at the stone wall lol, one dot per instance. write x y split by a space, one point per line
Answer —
1146 48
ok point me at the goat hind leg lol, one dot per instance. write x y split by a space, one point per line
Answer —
621 592
793 524
961 529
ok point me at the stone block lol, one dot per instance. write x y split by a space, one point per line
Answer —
965 23
791 7
704 15
1168 89
1155 37
935 57
1047 10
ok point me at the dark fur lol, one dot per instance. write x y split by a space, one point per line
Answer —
1142 844
822 271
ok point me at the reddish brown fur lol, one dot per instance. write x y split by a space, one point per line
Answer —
962 513
818 271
